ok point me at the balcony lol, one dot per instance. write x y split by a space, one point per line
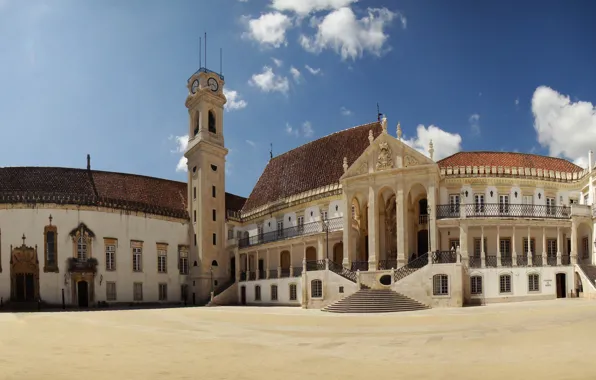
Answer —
330 225
88 265
500 210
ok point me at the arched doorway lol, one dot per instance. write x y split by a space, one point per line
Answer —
83 293
338 253
416 221
243 295
24 274
285 263
311 254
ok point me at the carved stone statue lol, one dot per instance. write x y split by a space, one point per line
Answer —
410 161
384 161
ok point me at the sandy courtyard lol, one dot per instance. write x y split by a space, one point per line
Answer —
532 340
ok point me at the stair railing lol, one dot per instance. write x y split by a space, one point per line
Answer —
410 267
342 271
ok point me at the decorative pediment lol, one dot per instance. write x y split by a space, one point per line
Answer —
410 160
384 159
82 230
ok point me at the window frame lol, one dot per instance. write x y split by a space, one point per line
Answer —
182 259
533 283
137 259
476 285
162 291
110 253
109 295
293 290
316 288
257 292
440 285
507 283
137 296
162 260
50 265
274 292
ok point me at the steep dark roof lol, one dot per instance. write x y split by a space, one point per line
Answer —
98 188
510 159
310 166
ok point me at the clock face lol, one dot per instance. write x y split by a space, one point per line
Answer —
194 86
213 85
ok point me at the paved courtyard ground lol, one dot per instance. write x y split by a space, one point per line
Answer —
531 340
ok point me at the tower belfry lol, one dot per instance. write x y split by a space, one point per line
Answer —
206 155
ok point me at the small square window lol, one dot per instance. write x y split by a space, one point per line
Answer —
341 289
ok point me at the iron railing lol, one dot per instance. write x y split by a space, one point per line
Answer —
506 261
242 276
444 257
491 260
252 276
423 219
565 259
335 224
411 267
272 273
285 272
387 264
359 265
551 261
537 260
206 70
315 265
82 265
475 262
342 271
297 271
522 260
447 211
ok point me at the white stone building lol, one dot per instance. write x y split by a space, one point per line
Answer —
355 216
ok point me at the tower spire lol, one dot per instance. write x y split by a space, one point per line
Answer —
271 152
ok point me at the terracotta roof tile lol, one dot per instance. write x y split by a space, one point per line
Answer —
510 159
98 188
310 166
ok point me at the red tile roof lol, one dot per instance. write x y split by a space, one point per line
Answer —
310 166
510 159
98 188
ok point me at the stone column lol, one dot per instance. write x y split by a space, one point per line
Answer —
499 264
373 227
432 222
238 264
513 250
401 223
291 262
559 246
544 251
530 262
347 231
320 248
482 253
463 242
278 262
267 264
257 274
573 242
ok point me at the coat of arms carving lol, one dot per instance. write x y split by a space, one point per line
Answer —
363 169
384 161
410 161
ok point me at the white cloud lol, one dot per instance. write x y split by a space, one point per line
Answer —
304 7
181 145
268 81
344 111
313 71
269 29
251 143
234 101
474 121
295 73
444 143
243 1
517 101
567 128
480 94
350 37
278 62
306 130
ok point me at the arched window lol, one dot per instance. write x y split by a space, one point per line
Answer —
51 248
534 282
476 284
273 292
316 289
197 123
212 128
440 285
257 292
504 283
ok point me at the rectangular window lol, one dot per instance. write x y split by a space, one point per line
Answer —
324 215
477 250
111 291
183 261
110 257
504 204
453 244
280 227
260 231
527 200
585 248
293 292
230 234
183 292
51 248
195 216
162 261
440 285
138 291
551 247
214 239
81 249
476 284
550 206
194 192
195 239
163 292
454 203
213 215
533 282
505 247
316 289
532 245
257 293
273 292
586 199
213 191
137 259
479 203
505 283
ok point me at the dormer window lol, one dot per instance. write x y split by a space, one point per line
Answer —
212 128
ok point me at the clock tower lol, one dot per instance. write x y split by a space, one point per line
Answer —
206 156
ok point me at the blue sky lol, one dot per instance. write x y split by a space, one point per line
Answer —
108 77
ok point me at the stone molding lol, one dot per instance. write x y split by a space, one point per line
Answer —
512 172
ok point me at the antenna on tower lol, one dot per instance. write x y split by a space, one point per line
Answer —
379 114
271 151
220 61
200 52
205 49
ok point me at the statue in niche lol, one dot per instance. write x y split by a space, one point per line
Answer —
410 161
384 161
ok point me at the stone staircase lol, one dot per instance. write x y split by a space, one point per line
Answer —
375 301
589 271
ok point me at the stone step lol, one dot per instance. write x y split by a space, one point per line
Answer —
375 301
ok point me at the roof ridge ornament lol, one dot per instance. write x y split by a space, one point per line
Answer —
370 136
345 164
431 149
384 123
399 131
